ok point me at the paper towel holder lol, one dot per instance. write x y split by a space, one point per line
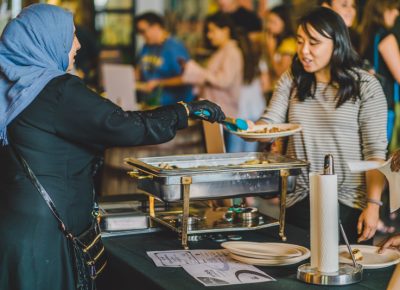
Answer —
347 274
329 167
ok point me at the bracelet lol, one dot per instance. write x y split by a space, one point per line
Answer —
186 107
375 201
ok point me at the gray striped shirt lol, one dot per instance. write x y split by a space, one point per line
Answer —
354 131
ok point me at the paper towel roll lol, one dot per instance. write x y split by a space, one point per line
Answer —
324 225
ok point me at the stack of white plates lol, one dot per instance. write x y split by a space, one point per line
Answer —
266 254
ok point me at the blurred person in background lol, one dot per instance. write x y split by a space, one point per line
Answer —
251 98
241 17
393 242
231 65
87 58
280 47
348 10
159 63
396 29
280 42
342 110
379 46
394 283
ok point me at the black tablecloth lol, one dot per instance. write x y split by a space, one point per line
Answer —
130 268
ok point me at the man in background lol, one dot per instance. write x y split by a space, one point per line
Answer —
159 63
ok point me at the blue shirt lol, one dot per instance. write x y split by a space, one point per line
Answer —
162 62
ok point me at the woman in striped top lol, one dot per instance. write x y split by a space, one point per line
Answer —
342 110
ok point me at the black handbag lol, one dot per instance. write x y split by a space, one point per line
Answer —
89 254
90 257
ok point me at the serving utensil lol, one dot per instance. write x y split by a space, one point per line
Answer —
347 244
233 124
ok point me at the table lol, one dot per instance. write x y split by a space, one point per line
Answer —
130 268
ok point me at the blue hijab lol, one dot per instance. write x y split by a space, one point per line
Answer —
34 49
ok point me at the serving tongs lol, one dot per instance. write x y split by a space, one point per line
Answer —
348 244
233 124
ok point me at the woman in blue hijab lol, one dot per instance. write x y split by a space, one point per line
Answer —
58 126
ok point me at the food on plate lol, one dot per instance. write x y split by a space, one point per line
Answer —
271 130
267 130
357 254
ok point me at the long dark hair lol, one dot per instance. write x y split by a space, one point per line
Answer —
344 63
282 11
373 20
250 60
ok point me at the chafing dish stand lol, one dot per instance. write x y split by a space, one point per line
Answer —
210 176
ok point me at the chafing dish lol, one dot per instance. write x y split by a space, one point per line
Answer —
212 176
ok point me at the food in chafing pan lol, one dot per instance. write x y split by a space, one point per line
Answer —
255 161
164 165
223 175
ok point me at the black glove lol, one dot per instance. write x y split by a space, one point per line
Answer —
206 110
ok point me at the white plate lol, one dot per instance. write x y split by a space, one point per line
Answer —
371 258
271 251
290 129
271 262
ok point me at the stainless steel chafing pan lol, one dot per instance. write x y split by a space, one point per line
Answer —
214 175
